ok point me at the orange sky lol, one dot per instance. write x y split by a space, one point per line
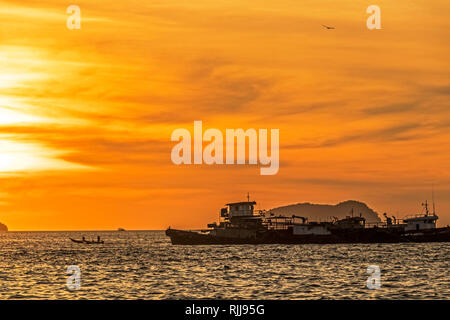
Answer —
86 115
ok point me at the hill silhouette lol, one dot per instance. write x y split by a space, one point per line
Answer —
323 212
3 227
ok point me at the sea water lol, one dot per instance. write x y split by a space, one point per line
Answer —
145 265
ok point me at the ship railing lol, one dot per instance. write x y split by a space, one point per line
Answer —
382 224
275 225
418 215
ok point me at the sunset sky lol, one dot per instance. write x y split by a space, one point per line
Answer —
86 115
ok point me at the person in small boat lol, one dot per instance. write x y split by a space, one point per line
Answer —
84 239
98 238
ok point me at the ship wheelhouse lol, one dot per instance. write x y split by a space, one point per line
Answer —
240 209
420 223
241 214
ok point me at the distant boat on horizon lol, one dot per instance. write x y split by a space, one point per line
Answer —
121 229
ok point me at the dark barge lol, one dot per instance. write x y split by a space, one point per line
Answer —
242 225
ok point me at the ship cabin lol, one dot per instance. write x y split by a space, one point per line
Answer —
241 214
239 209
420 223
351 222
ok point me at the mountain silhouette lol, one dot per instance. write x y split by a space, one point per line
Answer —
324 212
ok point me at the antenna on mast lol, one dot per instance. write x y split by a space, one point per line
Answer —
432 197
425 205
248 196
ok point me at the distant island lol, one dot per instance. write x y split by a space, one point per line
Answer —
3 227
323 212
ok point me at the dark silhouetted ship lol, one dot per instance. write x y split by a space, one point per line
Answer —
240 224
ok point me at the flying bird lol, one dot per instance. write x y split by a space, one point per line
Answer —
327 27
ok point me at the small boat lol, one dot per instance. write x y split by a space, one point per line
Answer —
121 229
87 241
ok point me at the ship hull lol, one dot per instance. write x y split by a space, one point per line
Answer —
434 235
181 237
